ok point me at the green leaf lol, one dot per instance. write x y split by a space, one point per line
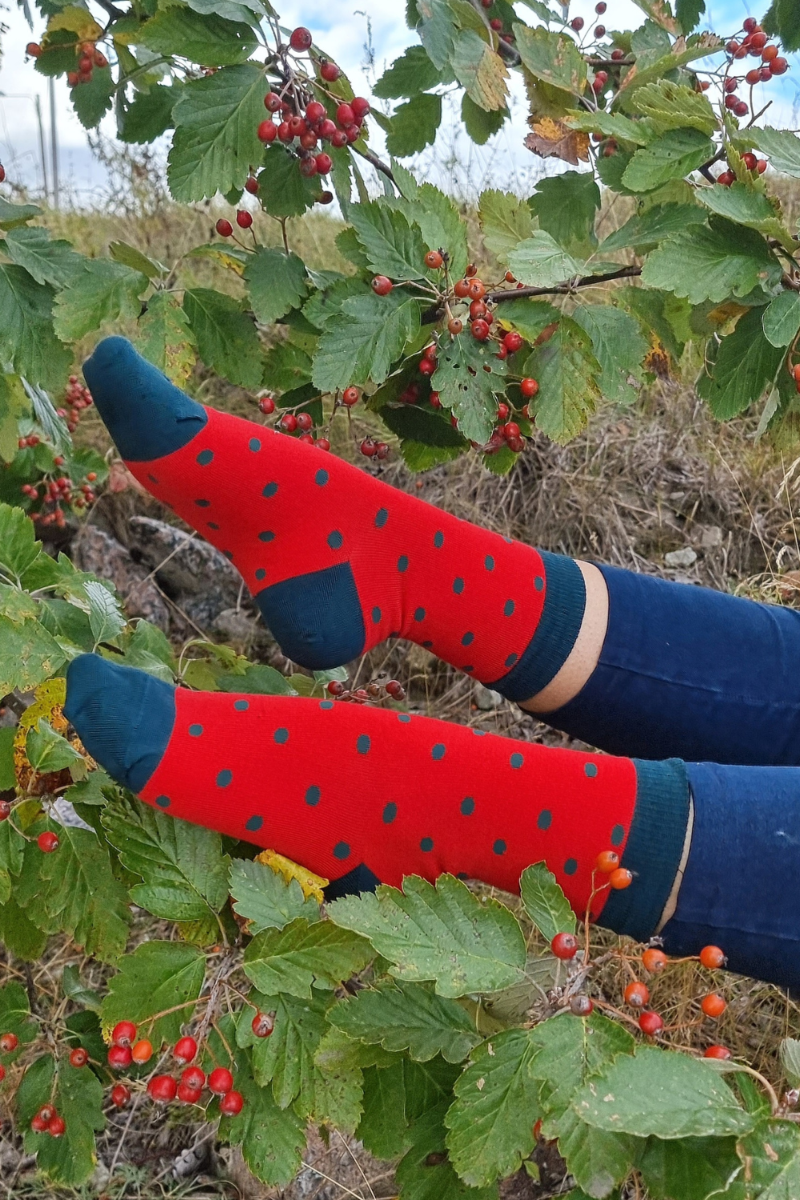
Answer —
19 549
166 339
384 1127
480 70
783 19
129 256
651 64
712 263
571 1052
440 932
47 750
28 655
660 314
226 336
391 244
566 206
613 125
743 206
15 1017
425 1172
676 154
781 319
468 377
674 106
19 934
597 1160
12 215
497 1105
692 1168
75 890
545 902
183 869
149 114
364 340
209 40
46 260
662 1093
771 1157
407 1017
480 124
78 1097
619 347
441 224
264 899
689 13
743 366
283 191
411 73
271 1139
652 226
790 1060
552 57
105 618
92 100
14 403
157 976
290 959
781 145
75 990
437 30
8 777
216 139
421 425
539 261
277 283
28 344
414 125
528 316
505 221
104 291
567 371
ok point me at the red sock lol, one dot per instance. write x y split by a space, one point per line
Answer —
337 560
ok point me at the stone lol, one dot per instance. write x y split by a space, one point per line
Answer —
486 699
681 558
105 557
711 537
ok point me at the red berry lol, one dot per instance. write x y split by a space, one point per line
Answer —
455 326
5 807
577 23
713 1005
360 108
297 125
761 166
194 1078
750 161
600 31
353 132
267 405
322 444
142 1051
267 131
8 1043
512 341
721 1052
381 286
749 24
741 109
123 1033
56 1126
329 71
350 396
769 53
434 400
33 49
188 1095
731 102
345 115
327 129
324 163
231 1104
120 1095
288 422
726 178
263 1023
78 1057
511 430
119 1057
304 422
433 260
427 366
779 66
564 945
220 1081
654 960
368 448
616 55
335 688
636 995
100 59
479 330
284 132
2 1072
461 289
529 387
315 112
650 1023
272 101
300 38
38 1124
516 444
476 289
339 139
754 76
47 842
621 878
496 24
244 219
251 186
759 40
162 1089
731 85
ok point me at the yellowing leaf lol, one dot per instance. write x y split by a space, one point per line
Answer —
553 138
311 884
78 21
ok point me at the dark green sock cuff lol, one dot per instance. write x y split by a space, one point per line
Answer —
556 633
653 850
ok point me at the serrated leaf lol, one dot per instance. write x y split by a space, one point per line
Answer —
529 317
363 342
283 191
78 1098
497 1104
392 245
692 1168
662 1093
771 1159
411 73
216 140
781 322
12 215
289 959
619 347
76 20
157 976
47 751
19 549
613 125
384 1125
712 263
407 1017
653 65
674 106
28 344
226 336
129 256
149 114
539 261
652 226
744 206
208 40
468 377
597 1160
48 261
436 29
426 1172
480 124
545 902
277 283
551 57
689 13
19 934
442 933
672 156
440 223
423 426
414 125
74 889
742 368
571 1052
105 618
77 991
781 145
567 371
183 870
165 338
92 100
15 1016
264 899
103 292
271 1139
28 654
480 70
566 206
505 221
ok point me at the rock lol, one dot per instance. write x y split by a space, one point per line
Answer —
681 558
486 699
184 563
236 625
107 558
711 537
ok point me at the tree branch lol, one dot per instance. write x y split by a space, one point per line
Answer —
562 289
378 164
111 9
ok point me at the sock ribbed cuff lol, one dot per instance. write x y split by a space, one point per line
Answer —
556 633
653 850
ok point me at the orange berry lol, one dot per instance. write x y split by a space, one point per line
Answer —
433 260
713 1005
712 956
621 878
637 994
142 1051
607 861
654 960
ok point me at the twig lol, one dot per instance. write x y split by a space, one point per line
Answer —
377 163
561 289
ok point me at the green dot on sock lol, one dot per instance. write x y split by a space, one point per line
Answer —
467 806
438 752
341 850
241 705
458 585
270 490
195 730
313 795
254 444
281 736
321 477
617 835
254 823
402 563
224 778
590 770
438 539
266 536
570 866
363 743
426 844
545 819
499 847
205 457
389 813
163 801
335 539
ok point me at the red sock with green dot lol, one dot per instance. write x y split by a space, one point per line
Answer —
337 560
360 794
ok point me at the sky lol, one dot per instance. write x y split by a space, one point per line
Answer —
352 32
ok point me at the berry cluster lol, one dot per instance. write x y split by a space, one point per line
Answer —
578 23
88 57
497 25
126 1049
47 1120
373 691
291 422
76 398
